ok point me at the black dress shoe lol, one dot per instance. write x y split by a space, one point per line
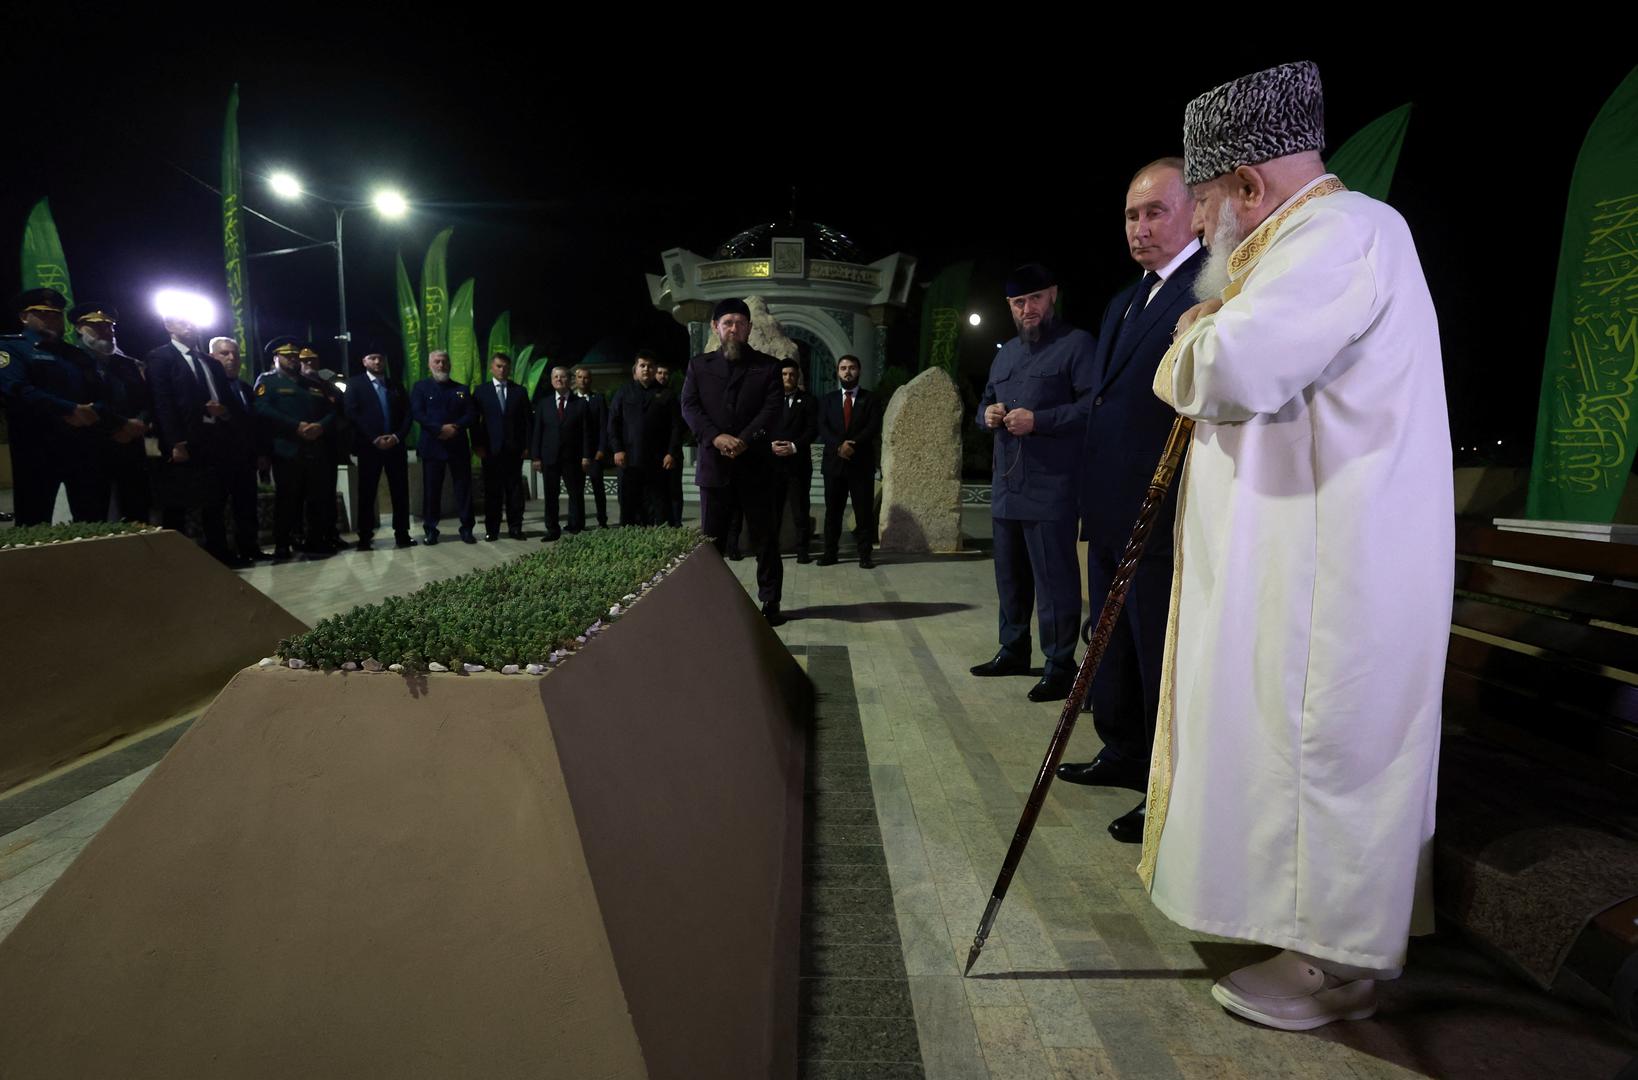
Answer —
548 538
1001 664
404 541
258 555
364 543
317 552
866 562
430 539
491 537
1128 828
771 613
467 537
515 534
803 557
1102 771
281 554
827 559
735 555
1051 688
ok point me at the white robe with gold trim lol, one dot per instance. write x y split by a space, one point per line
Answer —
1292 793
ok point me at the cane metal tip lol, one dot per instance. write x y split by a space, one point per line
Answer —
972 958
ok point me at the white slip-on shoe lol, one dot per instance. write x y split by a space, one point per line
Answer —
1288 993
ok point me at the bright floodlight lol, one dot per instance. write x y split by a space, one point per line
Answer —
187 306
390 204
284 185
973 319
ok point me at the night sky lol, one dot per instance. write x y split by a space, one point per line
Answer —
566 172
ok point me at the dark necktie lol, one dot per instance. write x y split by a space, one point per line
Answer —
1139 302
560 408
847 409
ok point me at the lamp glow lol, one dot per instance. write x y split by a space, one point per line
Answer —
973 319
284 185
390 204
187 306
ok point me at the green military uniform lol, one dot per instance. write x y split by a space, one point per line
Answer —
300 466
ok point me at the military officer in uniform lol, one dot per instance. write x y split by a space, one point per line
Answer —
122 456
443 409
57 414
297 419
1036 400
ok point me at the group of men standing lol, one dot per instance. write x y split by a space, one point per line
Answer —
1273 682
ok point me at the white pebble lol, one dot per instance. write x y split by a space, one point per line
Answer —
629 597
297 663
349 666
471 669
536 669
395 667
435 666
581 640
267 661
373 665
509 669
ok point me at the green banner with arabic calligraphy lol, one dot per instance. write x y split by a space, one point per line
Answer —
435 294
943 314
233 229
1584 431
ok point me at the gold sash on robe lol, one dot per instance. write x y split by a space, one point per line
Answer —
1241 262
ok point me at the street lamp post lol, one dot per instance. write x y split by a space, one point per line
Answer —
389 204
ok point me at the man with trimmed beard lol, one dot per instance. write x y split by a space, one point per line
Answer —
1036 400
1292 788
124 459
597 415
731 400
674 477
443 409
850 427
1125 435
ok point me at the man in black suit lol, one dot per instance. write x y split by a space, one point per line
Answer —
798 428
247 456
645 432
1125 434
443 408
378 415
561 447
850 426
730 400
674 478
196 445
597 416
500 438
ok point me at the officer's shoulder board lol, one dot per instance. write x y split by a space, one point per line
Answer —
261 389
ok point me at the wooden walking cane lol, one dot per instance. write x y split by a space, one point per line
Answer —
1170 461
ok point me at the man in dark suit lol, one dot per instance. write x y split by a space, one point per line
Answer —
561 447
798 428
247 456
597 416
674 478
340 442
1125 433
196 443
645 432
730 400
1036 399
501 438
122 456
378 415
850 426
443 408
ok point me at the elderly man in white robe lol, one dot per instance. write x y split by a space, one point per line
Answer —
1292 787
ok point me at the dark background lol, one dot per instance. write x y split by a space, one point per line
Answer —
564 180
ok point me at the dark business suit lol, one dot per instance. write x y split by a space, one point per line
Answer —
239 466
1034 490
597 415
367 422
180 387
799 424
741 399
850 478
432 405
126 464
1125 433
645 424
501 437
561 439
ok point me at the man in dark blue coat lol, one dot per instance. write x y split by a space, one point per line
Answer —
378 417
1126 432
194 419
1036 401
443 409
500 437
561 447
57 412
645 433
731 401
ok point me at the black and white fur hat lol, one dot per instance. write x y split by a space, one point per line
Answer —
1253 119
